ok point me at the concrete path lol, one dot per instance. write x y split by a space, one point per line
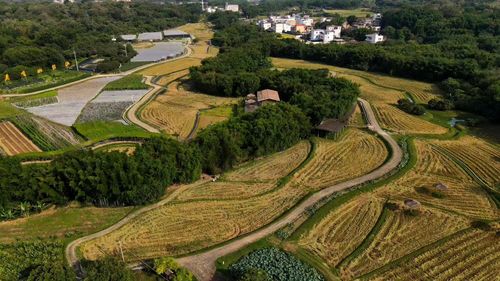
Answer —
131 113
203 265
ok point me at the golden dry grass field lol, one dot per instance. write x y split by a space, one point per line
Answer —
13 141
174 112
382 92
207 213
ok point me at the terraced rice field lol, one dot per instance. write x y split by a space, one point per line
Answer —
402 234
396 120
382 92
463 194
214 115
336 161
171 67
481 157
343 229
272 167
202 214
192 219
13 142
474 255
174 112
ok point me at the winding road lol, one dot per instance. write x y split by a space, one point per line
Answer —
203 265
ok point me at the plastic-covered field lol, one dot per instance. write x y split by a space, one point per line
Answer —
120 96
160 50
71 101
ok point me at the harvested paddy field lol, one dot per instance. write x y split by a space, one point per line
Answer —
470 255
402 233
382 92
336 161
459 193
246 205
253 198
174 111
343 229
12 141
72 100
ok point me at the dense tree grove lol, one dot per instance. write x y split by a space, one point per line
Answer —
270 129
243 67
101 178
42 34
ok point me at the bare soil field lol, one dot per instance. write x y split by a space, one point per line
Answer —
13 142
71 101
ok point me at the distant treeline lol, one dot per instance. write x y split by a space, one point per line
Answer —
42 34
460 51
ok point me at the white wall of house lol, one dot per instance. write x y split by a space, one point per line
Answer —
335 29
374 38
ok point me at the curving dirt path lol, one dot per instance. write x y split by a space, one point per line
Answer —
203 265
131 113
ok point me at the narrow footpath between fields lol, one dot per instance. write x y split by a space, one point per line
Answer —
203 265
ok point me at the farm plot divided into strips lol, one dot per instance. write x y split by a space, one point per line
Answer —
12 141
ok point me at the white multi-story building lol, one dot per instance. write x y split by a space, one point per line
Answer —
335 29
374 38
264 24
325 35
305 20
281 27
232 8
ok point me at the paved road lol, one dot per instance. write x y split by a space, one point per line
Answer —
203 265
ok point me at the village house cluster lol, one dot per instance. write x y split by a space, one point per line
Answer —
303 27
227 7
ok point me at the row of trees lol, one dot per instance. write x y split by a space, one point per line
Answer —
41 34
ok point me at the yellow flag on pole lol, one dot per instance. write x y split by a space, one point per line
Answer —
39 71
67 64
23 73
7 77
54 67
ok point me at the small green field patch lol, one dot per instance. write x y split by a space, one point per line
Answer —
130 82
99 131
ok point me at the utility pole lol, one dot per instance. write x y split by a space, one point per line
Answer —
126 54
76 61
202 6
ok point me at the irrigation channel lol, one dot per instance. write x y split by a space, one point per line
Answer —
203 265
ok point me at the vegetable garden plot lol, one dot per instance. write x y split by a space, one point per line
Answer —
72 100
110 105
